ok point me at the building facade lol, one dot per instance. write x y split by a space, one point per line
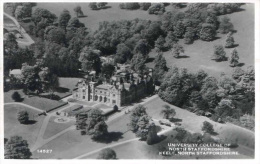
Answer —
123 88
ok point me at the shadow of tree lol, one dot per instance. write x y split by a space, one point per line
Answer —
159 139
30 122
176 120
62 90
214 133
110 137
240 64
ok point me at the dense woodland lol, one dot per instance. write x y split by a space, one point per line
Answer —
64 46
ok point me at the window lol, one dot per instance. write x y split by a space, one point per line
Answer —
114 95
83 97
114 101
90 96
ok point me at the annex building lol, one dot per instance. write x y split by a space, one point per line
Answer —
123 88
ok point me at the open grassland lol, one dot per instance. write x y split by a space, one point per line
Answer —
198 55
35 101
93 17
72 144
54 127
13 127
193 123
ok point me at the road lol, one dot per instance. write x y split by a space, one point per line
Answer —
24 33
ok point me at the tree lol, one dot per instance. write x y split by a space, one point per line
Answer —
74 24
16 96
189 35
143 127
207 32
95 124
123 53
156 8
17 148
138 112
170 39
93 5
23 117
107 154
90 59
81 119
152 136
179 29
159 43
129 6
101 5
229 41
43 16
138 63
234 58
30 79
176 50
207 127
219 53
52 84
225 25
55 35
237 74
10 42
143 48
107 70
168 112
195 97
160 68
78 11
64 19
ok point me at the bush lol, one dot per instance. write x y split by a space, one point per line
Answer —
23 117
16 96
207 127
225 26
219 53
107 154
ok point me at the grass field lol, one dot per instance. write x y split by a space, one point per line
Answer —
72 144
95 16
200 52
13 127
35 101
54 127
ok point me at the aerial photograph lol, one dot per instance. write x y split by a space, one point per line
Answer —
128 80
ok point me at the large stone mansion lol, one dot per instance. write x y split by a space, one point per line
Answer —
123 88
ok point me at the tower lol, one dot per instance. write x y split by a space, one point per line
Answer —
92 90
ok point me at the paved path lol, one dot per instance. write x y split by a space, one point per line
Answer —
117 144
28 38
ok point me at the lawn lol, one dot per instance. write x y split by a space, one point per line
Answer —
12 126
193 123
35 101
198 55
95 16
72 144
54 127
